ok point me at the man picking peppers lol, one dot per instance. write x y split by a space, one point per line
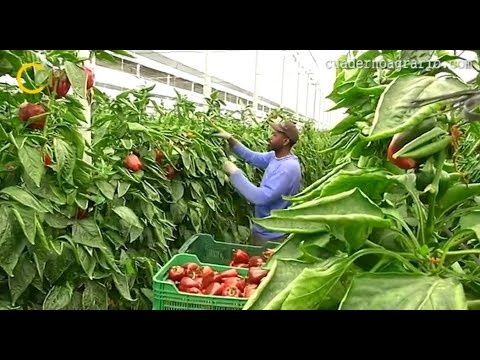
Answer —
282 176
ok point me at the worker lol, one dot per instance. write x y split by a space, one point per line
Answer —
282 176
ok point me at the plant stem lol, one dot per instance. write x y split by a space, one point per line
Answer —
420 216
381 250
411 240
380 263
433 196
456 213
373 245
462 252
459 237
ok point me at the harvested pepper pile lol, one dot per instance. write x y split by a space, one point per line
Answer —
203 280
242 259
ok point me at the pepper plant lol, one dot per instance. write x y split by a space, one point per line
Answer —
376 231
90 234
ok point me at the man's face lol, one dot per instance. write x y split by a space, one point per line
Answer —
278 141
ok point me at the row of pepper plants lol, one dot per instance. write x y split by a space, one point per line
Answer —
87 224
394 223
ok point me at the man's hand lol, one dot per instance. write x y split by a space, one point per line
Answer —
223 134
229 167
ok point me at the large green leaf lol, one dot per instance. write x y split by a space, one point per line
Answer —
82 202
78 78
373 184
390 291
129 216
149 210
187 160
75 302
456 194
23 197
178 210
73 135
177 191
283 272
65 157
150 192
12 241
195 219
394 112
57 221
418 55
58 298
345 124
297 225
94 297
288 250
57 264
314 189
121 283
47 190
471 221
197 190
349 216
301 247
135 233
32 161
122 188
316 289
137 127
23 275
107 189
40 257
26 218
87 261
87 232
158 231
107 260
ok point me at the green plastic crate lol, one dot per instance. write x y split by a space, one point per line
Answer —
212 251
166 296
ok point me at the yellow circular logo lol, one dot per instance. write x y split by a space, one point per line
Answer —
19 78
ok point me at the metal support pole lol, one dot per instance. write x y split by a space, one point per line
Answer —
255 93
207 80
298 86
308 88
283 80
315 102
85 128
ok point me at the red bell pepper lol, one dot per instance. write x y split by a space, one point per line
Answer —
256 261
231 291
192 270
240 257
208 276
255 275
187 283
227 273
234 281
176 273
213 289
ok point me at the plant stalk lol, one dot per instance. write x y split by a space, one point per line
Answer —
429 228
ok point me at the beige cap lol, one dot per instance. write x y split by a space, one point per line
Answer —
288 128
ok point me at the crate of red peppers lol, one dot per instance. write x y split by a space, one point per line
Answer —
185 283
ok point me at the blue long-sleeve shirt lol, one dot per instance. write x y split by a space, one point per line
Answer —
282 177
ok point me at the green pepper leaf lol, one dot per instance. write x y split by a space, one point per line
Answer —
387 291
395 113
349 216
